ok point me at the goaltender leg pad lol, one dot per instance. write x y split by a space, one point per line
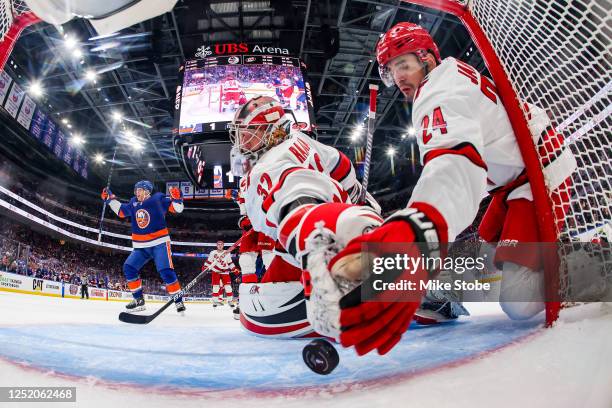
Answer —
281 271
275 310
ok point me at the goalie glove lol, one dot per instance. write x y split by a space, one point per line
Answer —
380 323
107 195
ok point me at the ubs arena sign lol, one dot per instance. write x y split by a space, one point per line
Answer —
238 48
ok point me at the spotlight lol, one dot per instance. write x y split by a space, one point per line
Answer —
150 164
411 131
77 53
70 42
77 140
117 116
36 89
390 151
98 158
91 75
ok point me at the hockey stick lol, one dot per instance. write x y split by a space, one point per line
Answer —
369 142
144 319
108 181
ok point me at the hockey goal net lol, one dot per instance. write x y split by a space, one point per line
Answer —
554 54
15 16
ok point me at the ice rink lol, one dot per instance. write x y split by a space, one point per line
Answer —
206 358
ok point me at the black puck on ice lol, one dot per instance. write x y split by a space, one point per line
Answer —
320 356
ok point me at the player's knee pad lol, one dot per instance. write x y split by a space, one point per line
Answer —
249 278
267 257
274 309
228 289
247 262
522 291
130 272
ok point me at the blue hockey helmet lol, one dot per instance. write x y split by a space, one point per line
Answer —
145 185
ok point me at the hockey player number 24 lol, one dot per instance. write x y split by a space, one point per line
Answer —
438 123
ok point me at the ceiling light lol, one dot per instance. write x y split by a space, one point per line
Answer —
36 89
150 164
77 140
91 75
117 116
70 42
65 121
98 158
411 131
390 151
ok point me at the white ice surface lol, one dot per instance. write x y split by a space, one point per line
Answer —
569 365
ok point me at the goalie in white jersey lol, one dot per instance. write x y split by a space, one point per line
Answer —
290 175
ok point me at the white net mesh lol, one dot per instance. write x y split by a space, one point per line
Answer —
557 56
9 10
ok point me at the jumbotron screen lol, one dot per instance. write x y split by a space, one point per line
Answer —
213 88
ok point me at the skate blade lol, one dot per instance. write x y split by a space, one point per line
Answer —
136 309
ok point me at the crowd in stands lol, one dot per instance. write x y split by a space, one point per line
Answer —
27 252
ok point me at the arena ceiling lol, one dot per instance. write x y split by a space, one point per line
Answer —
88 82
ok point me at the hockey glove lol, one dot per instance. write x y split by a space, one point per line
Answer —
107 195
176 194
244 223
380 323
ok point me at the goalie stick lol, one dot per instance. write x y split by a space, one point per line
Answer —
369 142
144 319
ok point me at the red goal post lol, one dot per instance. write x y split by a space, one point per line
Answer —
553 54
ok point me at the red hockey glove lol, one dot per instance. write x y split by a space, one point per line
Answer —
244 223
176 193
236 271
380 323
107 194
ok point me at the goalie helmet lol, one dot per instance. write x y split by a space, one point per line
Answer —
258 125
403 38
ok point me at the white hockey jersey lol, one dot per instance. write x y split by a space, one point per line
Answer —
222 261
285 173
467 144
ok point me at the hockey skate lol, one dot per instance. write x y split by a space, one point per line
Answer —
136 305
180 306
216 302
236 313
437 307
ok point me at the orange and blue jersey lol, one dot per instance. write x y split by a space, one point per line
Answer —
148 219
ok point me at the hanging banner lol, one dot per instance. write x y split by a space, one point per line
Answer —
14 100
5 84
26 112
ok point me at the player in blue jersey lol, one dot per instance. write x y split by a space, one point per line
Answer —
150 238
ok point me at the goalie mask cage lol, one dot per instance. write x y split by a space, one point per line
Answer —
554 54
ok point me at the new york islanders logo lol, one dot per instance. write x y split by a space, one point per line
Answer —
142 218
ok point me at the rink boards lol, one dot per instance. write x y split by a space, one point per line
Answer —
11 282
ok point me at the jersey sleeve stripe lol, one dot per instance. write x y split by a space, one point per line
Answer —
342 168
463 149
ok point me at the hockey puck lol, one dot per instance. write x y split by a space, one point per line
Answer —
320 356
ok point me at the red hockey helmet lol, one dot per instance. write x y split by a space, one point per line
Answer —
256 125
403 38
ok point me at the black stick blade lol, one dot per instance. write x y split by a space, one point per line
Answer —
135 318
